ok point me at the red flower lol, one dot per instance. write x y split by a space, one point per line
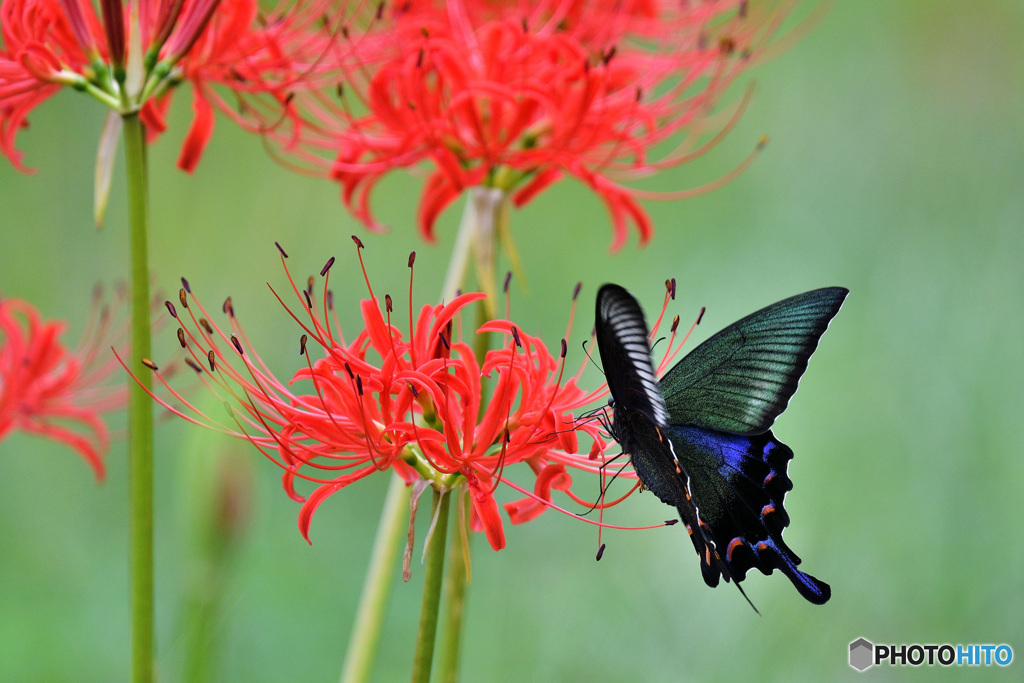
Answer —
518 95
408 394
57 393
47 44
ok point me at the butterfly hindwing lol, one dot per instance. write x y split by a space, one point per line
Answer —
742 378
738 485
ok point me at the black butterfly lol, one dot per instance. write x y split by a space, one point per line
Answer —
700 438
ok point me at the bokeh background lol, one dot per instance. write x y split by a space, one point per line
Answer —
895 168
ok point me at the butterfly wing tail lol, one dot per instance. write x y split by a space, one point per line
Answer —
770 557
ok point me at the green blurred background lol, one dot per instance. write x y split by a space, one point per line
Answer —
895 168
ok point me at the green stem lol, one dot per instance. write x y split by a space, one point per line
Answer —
362 643
432 579
140 411
455 583
459 261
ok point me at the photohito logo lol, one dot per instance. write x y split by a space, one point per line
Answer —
864 654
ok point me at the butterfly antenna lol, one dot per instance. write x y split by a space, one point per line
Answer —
599 368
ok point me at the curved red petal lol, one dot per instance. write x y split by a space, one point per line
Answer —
198 133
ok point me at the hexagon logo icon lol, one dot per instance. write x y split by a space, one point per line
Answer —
861 654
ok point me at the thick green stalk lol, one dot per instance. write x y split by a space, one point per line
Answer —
362 643
140 409
455 583
432 580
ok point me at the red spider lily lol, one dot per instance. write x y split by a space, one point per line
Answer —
414 400
518 95
57 393
47 44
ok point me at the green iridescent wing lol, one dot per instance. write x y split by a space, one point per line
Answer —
742 378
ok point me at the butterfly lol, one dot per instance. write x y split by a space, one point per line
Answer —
701 438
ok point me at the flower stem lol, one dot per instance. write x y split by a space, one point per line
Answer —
432 580
456 274
455 583
140 411
362 643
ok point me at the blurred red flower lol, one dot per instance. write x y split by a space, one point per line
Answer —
48 44
56 392
518 95
413 397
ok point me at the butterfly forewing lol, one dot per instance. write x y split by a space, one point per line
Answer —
742 378
626 354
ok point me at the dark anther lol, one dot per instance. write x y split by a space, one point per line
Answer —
412 258
309 302
565 348
526 26
288 98
576 290
515 335
380 11
327 266
609 54
181 337
348 368
310 281
639 93
359 242
415 394
149 364
508 279
670 522
600 552
209 358
192 364
170 309
727 45
206 325
419 59
330 299
302 345
280 249
182 298
359 384
228 308
340 88
387 303
184 283
675 323
237 345
700 315
444 340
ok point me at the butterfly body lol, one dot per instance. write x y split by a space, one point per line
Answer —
700 439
